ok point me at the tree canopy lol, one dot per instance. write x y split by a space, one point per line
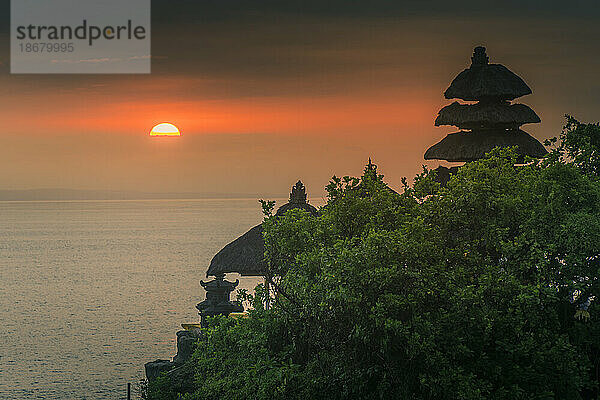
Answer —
482 289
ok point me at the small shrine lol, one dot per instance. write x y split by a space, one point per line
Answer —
218 302
492 121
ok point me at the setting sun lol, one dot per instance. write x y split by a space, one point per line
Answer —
165 129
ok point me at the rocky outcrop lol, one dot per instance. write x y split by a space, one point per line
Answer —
155 368
186 344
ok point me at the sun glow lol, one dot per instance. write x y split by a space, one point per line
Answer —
165 129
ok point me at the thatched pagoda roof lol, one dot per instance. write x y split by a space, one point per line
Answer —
484 80
469 146
245 255
497 115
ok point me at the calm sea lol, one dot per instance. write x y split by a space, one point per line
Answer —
92 290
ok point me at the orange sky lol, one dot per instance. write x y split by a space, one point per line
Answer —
261 105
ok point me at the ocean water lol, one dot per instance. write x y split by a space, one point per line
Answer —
92 290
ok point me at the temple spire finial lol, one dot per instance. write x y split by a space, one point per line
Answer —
298 194
371 166
371 169
479 57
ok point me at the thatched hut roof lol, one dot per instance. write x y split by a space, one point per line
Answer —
496 115
484 80
470 146
245 255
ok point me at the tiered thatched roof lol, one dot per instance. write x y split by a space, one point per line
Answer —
484 80
470 146
482 115
491 122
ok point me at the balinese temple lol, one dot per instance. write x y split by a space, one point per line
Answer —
492 121
245 256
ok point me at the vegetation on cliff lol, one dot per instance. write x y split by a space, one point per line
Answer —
482 289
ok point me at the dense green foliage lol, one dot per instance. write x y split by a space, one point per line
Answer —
477 290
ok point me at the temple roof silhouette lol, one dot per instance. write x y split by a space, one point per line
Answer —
484 80
471 146
491 122
481 115
245 255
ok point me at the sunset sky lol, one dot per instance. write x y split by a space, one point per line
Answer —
268 92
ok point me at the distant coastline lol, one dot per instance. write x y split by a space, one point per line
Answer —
55 194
